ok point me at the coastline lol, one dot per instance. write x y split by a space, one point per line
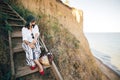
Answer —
112 75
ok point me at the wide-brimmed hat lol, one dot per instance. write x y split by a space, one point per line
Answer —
30 18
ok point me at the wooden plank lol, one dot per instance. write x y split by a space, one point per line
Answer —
16 25
2 1
22 71
4 8
18 48
7 5
14 19
3 4
16 34
8 11
53 66
11 15
16 13
56 72
11 55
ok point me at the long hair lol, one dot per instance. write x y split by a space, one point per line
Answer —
30 19
27 25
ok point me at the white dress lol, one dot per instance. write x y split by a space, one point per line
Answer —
31 54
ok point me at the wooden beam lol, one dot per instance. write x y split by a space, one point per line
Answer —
11 54
56 72
23 71
53 66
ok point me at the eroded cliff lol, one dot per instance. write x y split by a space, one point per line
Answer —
62 28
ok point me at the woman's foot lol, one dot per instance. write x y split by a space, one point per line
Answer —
42 72
33 67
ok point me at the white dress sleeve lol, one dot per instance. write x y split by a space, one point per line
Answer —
24 36
36 30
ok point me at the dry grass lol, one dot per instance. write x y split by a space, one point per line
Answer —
71 56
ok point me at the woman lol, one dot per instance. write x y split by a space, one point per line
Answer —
30 34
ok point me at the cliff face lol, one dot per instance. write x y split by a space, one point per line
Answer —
62 28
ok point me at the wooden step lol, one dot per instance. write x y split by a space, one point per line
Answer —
15 22
3 6
16 34
11 15
15 25
3 3
9 12
18 48
22 71
15 19
6 8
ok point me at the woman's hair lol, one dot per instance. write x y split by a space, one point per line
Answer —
27 25
29 19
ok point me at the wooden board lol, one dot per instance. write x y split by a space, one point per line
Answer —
18 48
22 71
16 34
14 19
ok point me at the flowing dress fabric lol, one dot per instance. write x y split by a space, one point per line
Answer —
31 54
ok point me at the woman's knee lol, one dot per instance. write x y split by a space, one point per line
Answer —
36 61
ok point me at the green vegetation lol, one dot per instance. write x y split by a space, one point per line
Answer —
5 72
74 62
58 39
4 26
22 11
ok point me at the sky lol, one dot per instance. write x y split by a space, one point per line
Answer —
99 15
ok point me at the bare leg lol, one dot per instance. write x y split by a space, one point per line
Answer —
39 65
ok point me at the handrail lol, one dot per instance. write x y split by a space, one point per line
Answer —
43 44
16 13
53 66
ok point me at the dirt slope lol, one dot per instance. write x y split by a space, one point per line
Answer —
62 28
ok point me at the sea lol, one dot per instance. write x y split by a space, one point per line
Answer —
106 47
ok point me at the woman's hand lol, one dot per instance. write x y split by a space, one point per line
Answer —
31 45
34 41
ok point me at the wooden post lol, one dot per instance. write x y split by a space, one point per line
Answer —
11 55
56 72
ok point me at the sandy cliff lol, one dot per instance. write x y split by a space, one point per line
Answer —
62 28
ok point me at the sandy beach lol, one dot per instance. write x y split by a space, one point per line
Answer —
112 75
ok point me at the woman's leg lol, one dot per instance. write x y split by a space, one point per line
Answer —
39 65
36 59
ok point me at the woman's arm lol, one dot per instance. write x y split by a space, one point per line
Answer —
36 34
26 42
31 45
24 37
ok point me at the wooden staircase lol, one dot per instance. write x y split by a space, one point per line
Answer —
15 44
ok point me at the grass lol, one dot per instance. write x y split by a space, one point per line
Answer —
22 11
70 56
5 72
58 39
3 26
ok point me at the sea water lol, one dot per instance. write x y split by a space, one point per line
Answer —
106 47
